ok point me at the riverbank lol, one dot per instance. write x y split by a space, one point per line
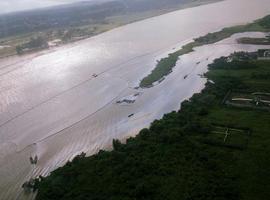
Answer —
165 65
54 91
77 33
207 150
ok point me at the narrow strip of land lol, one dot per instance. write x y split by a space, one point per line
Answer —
165 65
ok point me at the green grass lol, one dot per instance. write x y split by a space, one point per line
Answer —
165 65
255 41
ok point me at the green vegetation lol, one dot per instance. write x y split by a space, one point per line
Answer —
165 65
80 20
266 22
255 41
182 156
34 44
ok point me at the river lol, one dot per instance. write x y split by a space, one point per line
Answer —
58 103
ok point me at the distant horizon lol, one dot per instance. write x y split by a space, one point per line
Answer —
7 6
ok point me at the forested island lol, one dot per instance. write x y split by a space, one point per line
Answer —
215 148
165 65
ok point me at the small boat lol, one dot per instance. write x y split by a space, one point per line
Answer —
95 75
198 63
34 160
131 115
185 76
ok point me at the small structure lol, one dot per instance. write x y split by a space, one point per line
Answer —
241 99
242 56
264 54
228 136
54 43
95 75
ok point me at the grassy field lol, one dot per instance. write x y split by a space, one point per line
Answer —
182 156
165 65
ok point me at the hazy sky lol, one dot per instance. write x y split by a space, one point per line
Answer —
17 5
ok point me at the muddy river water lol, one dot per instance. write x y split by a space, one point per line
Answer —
77 98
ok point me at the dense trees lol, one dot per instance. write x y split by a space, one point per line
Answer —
265 22
172 160
167 161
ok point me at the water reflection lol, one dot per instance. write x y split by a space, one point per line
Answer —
53 107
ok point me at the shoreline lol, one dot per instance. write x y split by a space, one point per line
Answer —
177 135
176 103
165 65
140 17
